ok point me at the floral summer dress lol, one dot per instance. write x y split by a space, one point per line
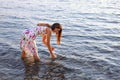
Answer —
27 42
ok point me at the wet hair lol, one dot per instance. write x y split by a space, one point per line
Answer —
57 25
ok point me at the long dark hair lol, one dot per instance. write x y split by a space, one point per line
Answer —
59 35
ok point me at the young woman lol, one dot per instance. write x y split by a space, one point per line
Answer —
28 44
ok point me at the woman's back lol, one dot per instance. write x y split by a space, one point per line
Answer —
32 33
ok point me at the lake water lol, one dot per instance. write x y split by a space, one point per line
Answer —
90 48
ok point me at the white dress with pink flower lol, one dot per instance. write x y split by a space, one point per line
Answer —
27 42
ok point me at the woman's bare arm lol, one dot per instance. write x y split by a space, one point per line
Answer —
48 43
44 40
43 24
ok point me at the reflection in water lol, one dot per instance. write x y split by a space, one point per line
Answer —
31 70
49 70
53 71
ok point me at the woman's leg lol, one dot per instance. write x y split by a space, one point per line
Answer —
23 54
26 49
22 43
35 52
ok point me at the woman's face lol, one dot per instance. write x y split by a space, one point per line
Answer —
56 30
